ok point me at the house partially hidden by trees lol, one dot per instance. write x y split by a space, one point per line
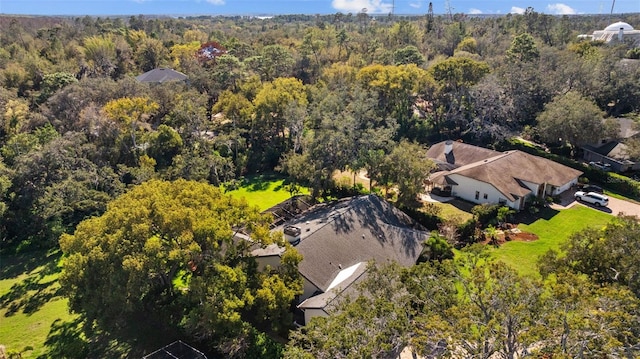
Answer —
338 240
160 75
510 178
620 152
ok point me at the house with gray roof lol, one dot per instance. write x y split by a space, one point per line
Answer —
614 151
482 176
337 241
161 75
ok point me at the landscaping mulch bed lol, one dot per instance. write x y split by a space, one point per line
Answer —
512 235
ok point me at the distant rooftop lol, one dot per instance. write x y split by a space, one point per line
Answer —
160 75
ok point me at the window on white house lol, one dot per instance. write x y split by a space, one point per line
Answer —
485 196
477 195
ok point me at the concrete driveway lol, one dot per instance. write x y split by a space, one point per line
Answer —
615 207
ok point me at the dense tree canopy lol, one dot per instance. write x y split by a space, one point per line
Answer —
170 246
310 96
475 308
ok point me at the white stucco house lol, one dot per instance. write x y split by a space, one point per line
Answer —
480 175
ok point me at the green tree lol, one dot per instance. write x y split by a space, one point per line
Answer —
572 119
274 61
164 145
583 317
132 115
100 53
151 53
374 323
169 247
436 248
499 312
408 55
54 82
408 167
523 49
605 254
268 136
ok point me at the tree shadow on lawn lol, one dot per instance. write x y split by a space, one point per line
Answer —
78 339
31 293
14 265
526 217
260 182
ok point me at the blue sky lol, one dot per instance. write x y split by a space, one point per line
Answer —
262 7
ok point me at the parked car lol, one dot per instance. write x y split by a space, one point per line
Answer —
592 188
594 198
601 166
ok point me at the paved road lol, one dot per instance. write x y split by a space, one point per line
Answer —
615 207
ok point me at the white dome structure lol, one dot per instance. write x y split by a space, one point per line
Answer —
616 32
619 26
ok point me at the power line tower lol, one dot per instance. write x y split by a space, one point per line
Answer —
430 18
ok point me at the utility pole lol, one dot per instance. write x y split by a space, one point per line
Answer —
611 14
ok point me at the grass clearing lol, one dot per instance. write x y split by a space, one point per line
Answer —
30 300
264 191
455 209
552 228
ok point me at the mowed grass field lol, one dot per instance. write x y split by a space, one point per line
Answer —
264 191
30 301
552 228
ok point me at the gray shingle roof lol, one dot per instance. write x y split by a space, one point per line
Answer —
506 171
359 229
346 287
160 75
461 155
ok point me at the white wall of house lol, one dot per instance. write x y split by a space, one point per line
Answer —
565 186
312 313
534 187
486 193
308 289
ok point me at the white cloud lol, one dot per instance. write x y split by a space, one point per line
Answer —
475 11
215 2
560 9
516 10
355 6
416 4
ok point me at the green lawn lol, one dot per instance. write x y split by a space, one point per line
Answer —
264 191
30 300
455 209
553 228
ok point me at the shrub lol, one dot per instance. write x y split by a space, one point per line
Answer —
435 248
467 231
486 214
428 220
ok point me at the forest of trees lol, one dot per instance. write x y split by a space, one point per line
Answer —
305 96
